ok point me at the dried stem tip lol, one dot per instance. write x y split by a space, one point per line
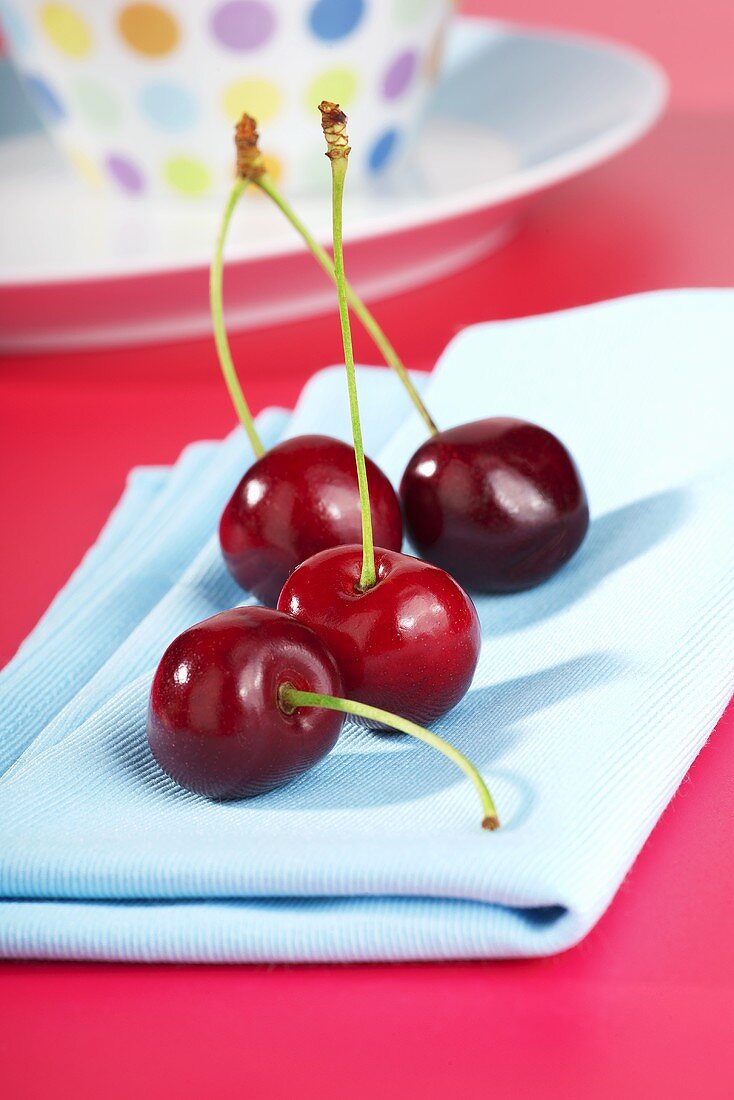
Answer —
334 125
250 162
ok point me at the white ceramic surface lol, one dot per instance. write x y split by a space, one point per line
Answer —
526 109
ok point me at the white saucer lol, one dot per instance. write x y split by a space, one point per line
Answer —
522 110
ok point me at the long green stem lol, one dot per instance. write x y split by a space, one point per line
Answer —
290 698
220 333
368 576
366 318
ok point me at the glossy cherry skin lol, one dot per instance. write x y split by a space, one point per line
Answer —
214 722
409 645
498 503
300 498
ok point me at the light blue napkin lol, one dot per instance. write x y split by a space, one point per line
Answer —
593 693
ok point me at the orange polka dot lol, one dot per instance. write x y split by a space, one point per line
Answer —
432 63
274 166
148 29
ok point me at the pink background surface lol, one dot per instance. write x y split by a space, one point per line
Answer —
645 1005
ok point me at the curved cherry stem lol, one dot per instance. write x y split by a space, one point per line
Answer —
220 333
290 698
266 184
368 576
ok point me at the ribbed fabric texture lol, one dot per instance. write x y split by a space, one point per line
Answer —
593 694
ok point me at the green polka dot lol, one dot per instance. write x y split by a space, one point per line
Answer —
187 175
339 85
410 11
314 172
96 103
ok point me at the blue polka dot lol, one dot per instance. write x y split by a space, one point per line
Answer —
14 28
333 19
44 99
382 150
170 107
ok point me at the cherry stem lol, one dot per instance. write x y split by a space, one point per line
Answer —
266 184
220 333
368 576
290 698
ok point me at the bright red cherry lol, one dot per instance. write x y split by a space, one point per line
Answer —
299 498
408 644
214 720
498 503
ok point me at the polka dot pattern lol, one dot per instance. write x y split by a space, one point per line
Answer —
400 74
46 101
124 173
331 20
313 171
188 175
258 96
243 24
274 166
66 29
338 84
15 28
410 11
382 150
434 57
96 103
146 91
148 29
168 106
86 167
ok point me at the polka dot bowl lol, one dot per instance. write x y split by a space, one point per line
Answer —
142 97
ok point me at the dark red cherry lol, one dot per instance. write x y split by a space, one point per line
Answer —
214 721
409 644
498 503
300 498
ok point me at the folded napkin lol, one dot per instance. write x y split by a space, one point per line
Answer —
593 693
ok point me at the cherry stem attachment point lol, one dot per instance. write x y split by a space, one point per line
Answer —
290 698
368 576
368 321
220 333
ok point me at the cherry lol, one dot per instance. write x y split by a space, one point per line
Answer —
226 706
498 502
213 721
250 699
299 498
409 643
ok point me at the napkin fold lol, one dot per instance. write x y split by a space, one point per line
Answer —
593 693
